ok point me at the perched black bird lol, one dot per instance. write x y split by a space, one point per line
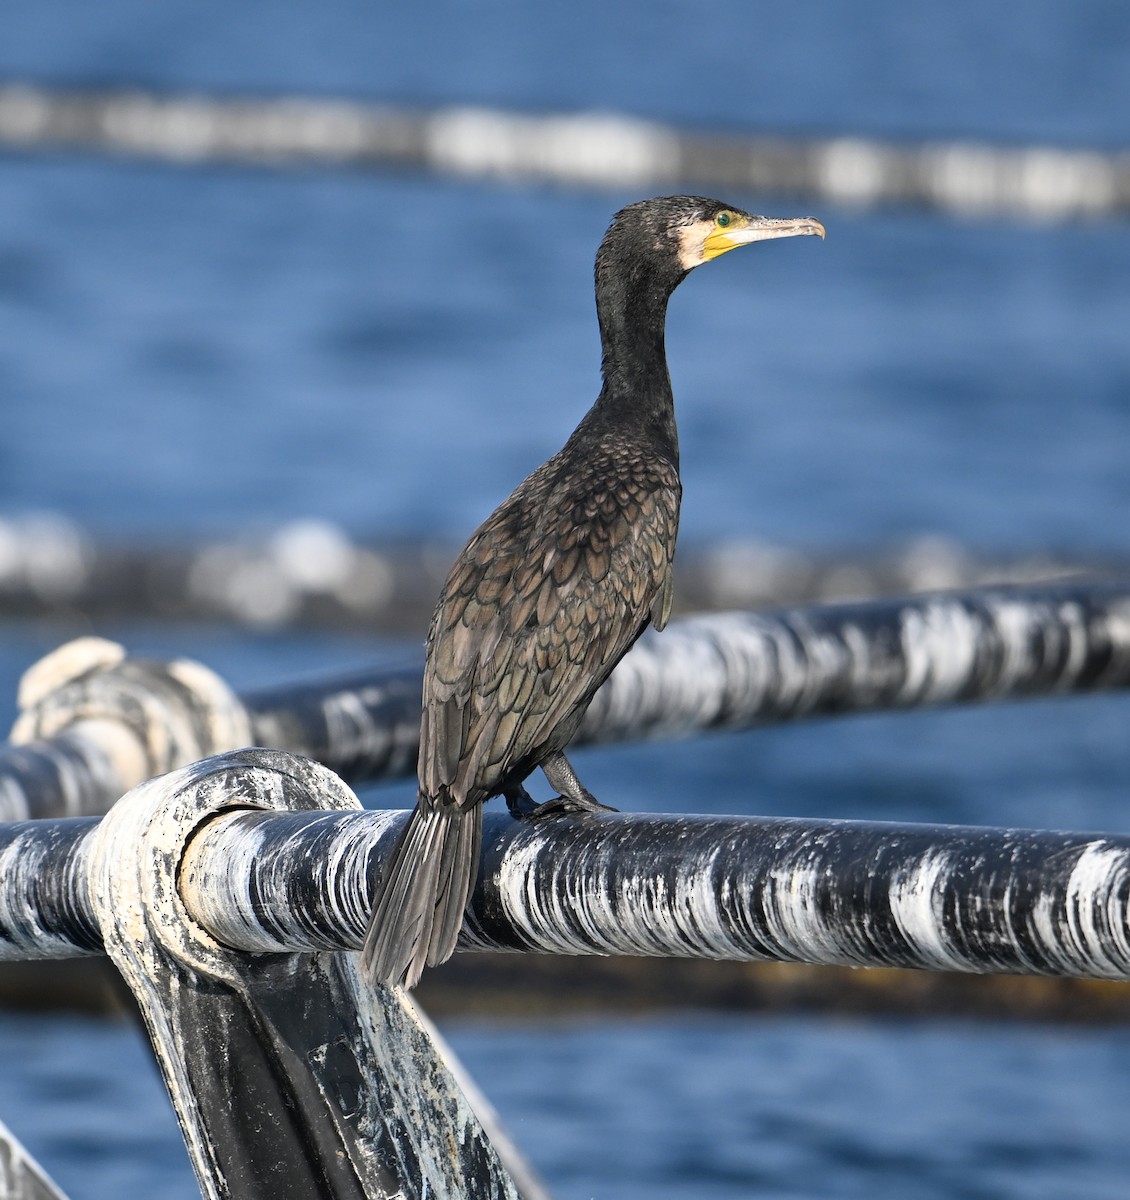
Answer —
553 588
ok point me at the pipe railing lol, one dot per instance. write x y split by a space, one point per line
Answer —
848 893
95 723
225 890
222 890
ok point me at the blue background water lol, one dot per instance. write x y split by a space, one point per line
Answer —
202 351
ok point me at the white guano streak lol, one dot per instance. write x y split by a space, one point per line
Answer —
760 658
1075 624
640 915
683 680
915 900
1089 935
1014 622
1118 632
939 647
794 920
542 928
216 888
20 869
548 918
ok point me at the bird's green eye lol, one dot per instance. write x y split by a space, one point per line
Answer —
723 219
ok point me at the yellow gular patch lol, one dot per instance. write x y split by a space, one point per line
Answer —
717 242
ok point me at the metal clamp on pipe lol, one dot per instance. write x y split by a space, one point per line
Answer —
289 1075
94 723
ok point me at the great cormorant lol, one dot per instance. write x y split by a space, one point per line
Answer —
553 588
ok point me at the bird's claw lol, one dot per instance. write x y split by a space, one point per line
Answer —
521 804
565 806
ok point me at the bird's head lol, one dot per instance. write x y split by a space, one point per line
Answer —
690 230
716 228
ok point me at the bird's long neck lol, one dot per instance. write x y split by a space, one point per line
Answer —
636 396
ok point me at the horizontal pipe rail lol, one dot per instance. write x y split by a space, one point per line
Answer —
740 670
582 150
825 892
721 671
45 903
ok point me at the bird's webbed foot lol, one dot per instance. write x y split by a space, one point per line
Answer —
574 799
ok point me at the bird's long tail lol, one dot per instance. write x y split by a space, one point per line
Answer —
419 908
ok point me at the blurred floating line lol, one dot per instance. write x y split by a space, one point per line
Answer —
602 150
311 574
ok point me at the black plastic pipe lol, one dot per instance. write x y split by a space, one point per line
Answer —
739 670
827 892
722 671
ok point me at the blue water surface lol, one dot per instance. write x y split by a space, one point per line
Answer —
190 351
662 1109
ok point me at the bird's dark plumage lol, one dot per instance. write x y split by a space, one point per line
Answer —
553 588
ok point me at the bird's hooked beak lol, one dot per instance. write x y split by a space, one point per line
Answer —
742 230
